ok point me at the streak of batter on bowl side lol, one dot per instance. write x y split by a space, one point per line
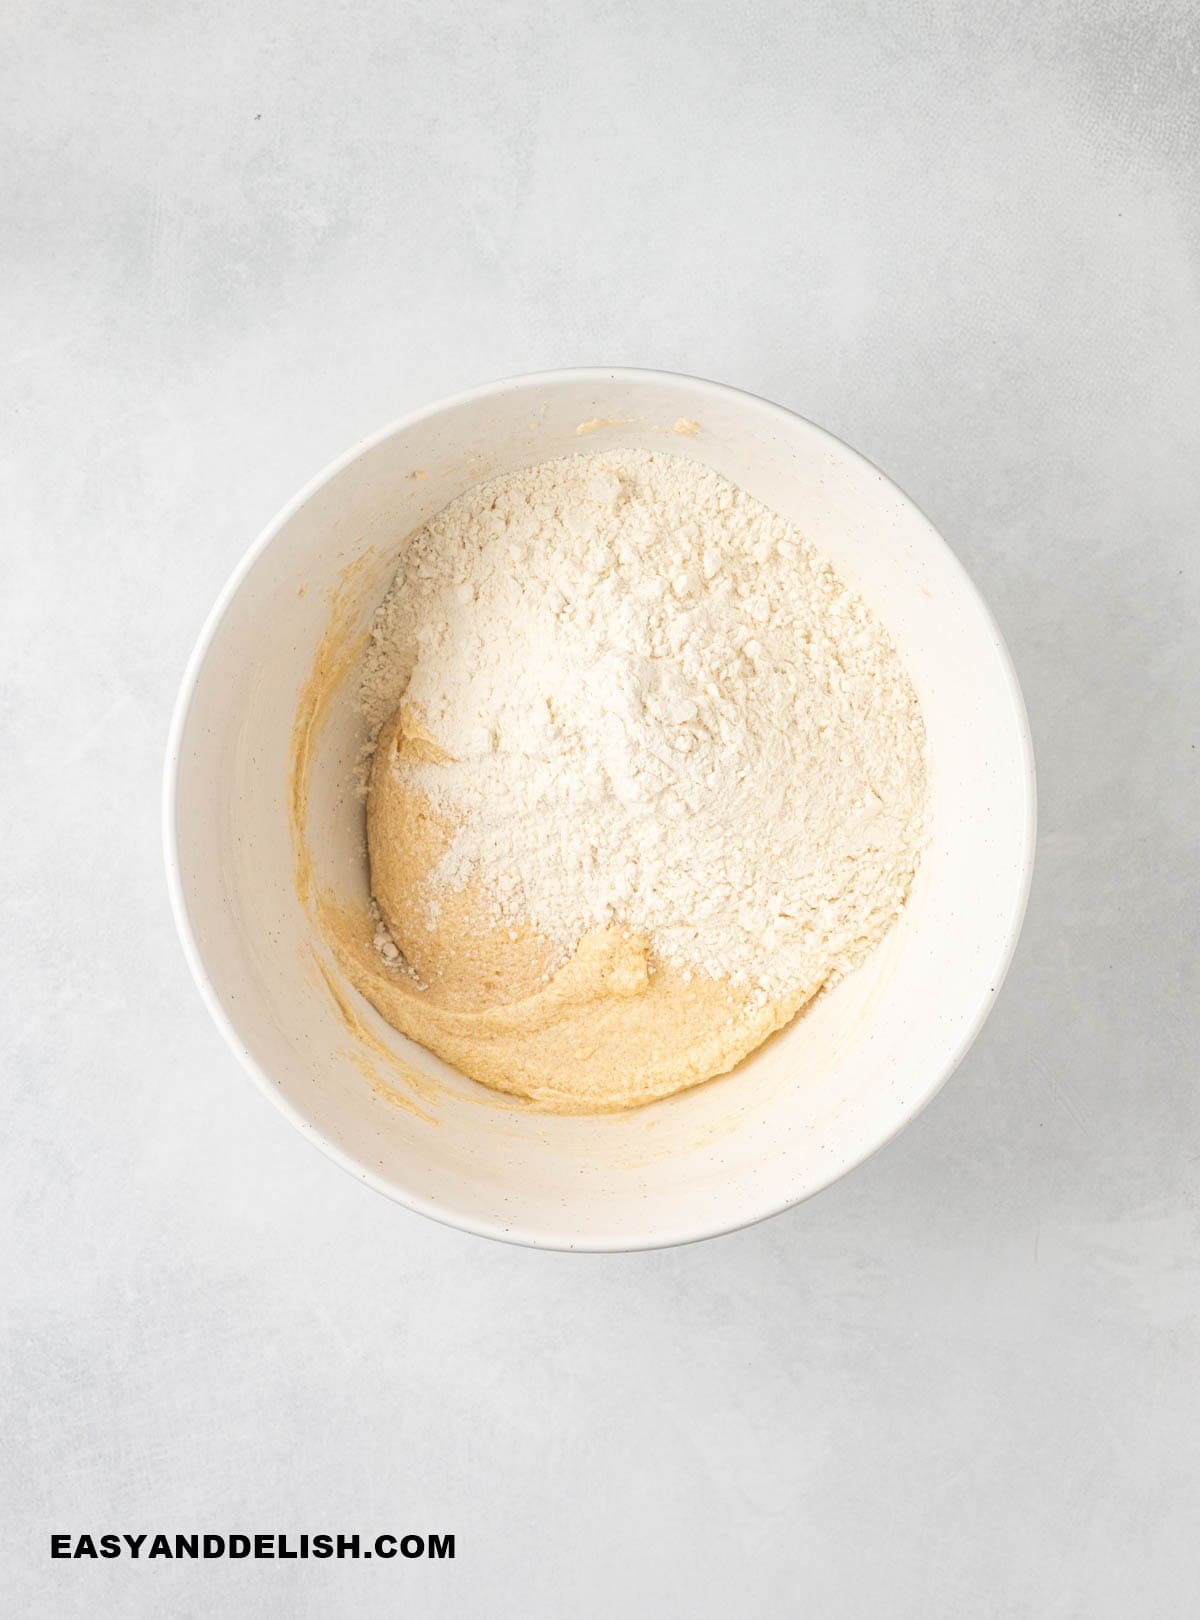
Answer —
370 1047
338 656
336 659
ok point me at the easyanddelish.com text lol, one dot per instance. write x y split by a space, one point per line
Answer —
146 1545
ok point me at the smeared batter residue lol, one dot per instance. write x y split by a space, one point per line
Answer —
595 423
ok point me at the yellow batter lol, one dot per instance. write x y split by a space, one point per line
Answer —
608 1027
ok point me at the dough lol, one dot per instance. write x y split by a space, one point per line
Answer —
647 776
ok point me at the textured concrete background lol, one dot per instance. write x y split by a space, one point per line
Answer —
965 238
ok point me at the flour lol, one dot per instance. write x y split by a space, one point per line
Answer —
663 710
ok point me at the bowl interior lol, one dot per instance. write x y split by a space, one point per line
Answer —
819 1096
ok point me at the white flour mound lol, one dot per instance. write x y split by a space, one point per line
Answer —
665 711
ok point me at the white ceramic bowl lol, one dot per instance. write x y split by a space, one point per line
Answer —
819 1097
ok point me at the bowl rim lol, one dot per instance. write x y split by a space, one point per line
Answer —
447 1216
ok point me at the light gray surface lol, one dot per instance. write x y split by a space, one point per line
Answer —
235 238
